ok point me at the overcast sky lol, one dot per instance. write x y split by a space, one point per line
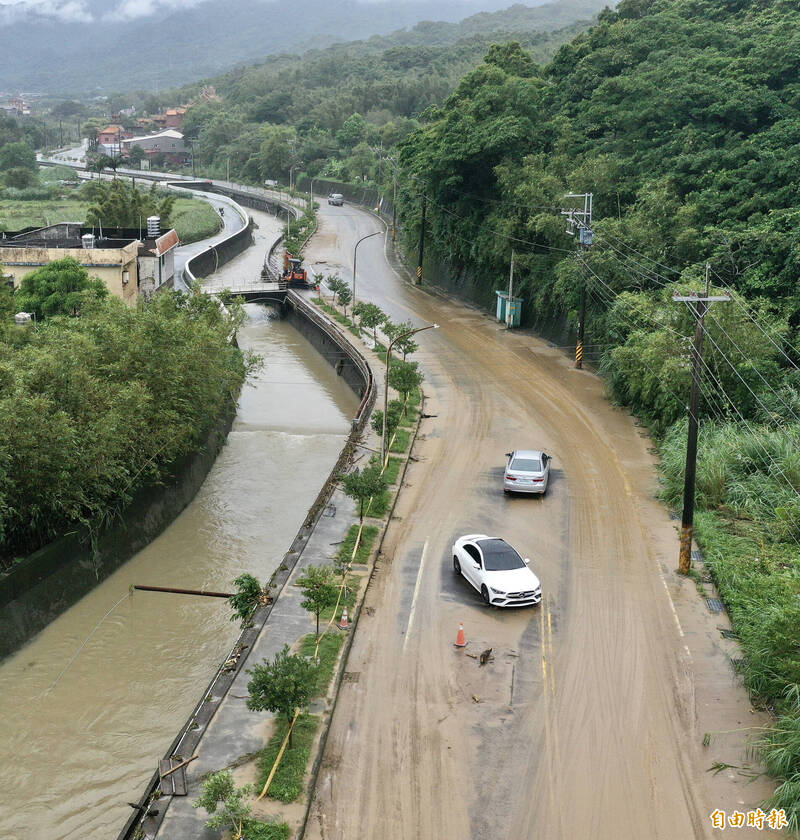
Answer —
78 11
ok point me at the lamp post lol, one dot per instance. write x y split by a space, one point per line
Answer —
355 254
397 338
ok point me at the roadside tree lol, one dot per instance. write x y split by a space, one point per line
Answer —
393 416
344 295
281 686
371 316
362 485
404 377
319 589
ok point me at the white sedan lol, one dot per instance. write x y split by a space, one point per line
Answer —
527 471
496 570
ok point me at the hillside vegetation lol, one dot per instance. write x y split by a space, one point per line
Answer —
682 117
328 111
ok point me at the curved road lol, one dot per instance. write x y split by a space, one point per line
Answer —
589 722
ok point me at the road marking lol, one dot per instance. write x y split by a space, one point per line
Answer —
416 593
672 607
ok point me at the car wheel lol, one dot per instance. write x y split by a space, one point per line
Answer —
485 596
456 565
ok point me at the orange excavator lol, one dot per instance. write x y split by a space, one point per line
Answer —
293 271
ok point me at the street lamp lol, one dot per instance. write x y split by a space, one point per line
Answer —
355 254
397 338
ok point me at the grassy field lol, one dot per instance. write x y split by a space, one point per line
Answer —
191 218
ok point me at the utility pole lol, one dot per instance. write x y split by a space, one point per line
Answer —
582 219
700 305
421 240
394 206
509 311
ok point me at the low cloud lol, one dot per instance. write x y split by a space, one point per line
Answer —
134 9
67 11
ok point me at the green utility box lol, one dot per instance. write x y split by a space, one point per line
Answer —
503 307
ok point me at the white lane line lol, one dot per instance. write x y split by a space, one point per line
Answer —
416 593
672 606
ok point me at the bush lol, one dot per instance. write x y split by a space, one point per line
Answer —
92 408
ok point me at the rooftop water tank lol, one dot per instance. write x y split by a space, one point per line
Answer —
153 227
87 241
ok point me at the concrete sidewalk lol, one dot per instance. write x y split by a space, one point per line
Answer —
235 731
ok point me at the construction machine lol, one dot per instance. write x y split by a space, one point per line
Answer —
293 272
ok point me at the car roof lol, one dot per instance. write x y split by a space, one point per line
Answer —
527 453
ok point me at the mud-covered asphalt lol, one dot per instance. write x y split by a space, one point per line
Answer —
589 721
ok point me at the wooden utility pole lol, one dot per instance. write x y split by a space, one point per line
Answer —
582 219
421 240
700 305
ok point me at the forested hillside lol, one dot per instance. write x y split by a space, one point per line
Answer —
322 111
682 117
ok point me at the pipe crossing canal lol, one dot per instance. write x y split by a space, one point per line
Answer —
81 737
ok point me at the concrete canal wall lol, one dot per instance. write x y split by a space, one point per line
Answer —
49 581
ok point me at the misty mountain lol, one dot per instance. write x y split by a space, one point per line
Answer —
81 47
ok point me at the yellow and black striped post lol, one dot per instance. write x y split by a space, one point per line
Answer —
421 240
579 355
581 321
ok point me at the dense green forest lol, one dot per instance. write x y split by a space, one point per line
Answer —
328 112
682 117
98 399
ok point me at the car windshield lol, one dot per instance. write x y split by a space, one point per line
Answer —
498 556
526 464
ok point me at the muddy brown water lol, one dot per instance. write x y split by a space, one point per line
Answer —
77 747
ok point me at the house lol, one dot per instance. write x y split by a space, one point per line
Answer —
109 140
168 142
175 117
128 263
157 263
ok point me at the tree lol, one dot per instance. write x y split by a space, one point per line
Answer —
405 345
404 377
362 486
319 589
335 284
248 596
393 416
137 154
220 792
98 163
18 156
371 316
344 296
352 132
114 162
281 686
19 177
119 203
62 287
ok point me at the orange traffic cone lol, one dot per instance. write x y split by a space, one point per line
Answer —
344 623
461 639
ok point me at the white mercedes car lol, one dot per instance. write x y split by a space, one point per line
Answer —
527 471
496 570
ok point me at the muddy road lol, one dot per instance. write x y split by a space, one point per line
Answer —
589 721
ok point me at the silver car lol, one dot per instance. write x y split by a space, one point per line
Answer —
527 471
337 199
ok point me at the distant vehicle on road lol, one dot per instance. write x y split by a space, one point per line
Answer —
496 570
527 471
337 199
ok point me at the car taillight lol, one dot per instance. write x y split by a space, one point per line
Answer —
510 478
538 480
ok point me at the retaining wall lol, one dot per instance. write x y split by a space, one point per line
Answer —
51 580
